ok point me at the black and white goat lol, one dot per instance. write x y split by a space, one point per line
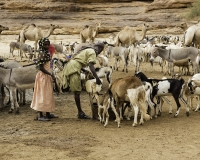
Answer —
167 87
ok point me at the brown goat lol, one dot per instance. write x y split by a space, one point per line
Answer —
130 89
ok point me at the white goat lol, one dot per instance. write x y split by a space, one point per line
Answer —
137 56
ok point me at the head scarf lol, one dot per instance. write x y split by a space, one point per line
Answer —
44 55
98 47
41 43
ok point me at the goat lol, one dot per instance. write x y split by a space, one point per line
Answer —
167 87
129 89
120 53
193 89
101 73
103 60
93 90
13 46
137 56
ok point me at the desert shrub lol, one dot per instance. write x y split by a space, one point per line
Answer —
194 10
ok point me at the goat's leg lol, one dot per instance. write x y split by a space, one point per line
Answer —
136 110
186 105
143 109
169 103
198 105
105 112
116 114
176 98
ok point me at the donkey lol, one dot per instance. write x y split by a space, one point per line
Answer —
13 46
25 48
177 54
17 78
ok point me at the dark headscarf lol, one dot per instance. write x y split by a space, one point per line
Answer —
98 47
41 43
44 55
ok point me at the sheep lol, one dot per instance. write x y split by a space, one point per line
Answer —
129 89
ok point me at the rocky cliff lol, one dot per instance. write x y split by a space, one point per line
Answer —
163 15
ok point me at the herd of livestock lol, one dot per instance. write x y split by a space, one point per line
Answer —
129 46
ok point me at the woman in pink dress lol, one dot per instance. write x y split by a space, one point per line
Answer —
43 98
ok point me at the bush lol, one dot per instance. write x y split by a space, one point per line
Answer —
195 9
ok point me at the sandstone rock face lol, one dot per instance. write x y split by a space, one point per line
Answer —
72 16
169 4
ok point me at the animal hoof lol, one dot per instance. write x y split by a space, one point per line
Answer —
175 116
17 111
134 125
187 114
10 111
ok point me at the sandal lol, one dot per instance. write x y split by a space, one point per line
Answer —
82 115
43 119
52 116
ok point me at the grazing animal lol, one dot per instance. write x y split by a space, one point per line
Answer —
129 89
89 33
177 54
35 33
13 46
129 36
167 87
25 48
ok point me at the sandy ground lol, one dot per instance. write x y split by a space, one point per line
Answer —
69 138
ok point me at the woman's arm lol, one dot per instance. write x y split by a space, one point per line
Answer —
46 72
